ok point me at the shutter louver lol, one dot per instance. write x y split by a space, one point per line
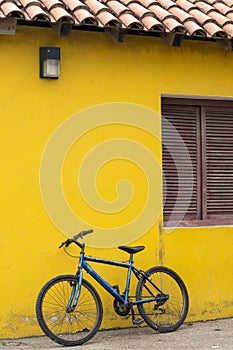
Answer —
219 162
180 161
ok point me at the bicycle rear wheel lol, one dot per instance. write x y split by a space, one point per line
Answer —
68 328
164 316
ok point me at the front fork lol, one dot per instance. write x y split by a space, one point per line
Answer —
76 289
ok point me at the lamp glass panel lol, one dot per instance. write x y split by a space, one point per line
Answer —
51 68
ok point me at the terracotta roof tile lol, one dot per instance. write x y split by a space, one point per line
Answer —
147 3
127 2
152 24
228 2
228 28
160 13
185 5
173 25
84 17
26 3
11 9
219 18
222 8
139 10
230 15
35 13
214 30
181 14
167 4
96 6
192 18
117 7
130 21
60 14
51 3
108 19
74 4
211 2
203 6
194 29
200 16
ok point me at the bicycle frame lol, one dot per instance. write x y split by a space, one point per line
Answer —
110 289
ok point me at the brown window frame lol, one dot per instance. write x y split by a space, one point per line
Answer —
203 105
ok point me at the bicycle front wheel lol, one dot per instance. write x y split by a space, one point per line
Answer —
164 316
65 327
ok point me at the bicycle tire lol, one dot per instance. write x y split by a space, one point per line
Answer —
68 328
169 316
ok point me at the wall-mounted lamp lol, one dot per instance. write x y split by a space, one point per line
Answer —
49 62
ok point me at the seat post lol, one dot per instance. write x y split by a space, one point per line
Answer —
127 286
131 258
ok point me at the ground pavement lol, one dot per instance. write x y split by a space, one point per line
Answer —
207 335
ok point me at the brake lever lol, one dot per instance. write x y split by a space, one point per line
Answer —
66 243
60 246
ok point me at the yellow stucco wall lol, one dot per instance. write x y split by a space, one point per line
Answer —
95 70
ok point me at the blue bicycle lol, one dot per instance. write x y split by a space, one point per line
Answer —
69 309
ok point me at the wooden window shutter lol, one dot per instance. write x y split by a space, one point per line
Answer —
218 196
180 162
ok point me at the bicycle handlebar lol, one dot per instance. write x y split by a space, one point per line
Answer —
75 238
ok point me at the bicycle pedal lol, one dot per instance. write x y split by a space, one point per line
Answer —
138 321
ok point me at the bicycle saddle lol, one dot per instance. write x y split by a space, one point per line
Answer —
131 250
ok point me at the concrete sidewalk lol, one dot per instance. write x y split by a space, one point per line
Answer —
199 335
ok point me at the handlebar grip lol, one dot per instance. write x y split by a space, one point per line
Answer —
82 233
87 232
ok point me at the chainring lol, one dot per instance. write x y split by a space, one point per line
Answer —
121 309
